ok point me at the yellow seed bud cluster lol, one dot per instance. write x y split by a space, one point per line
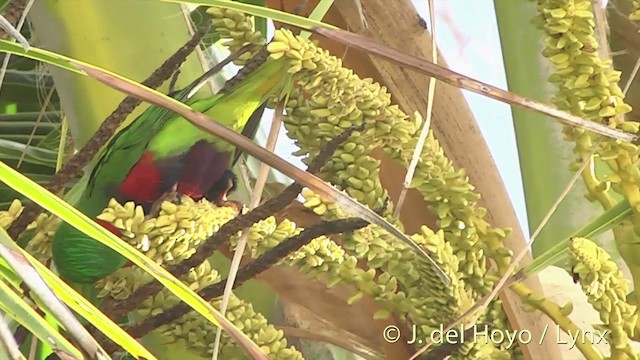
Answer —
237 29
200 339
606 289
175 235
330 98
588 87
43 228
171 237
430 304
187 223
452 199
8 216
199 334
266 234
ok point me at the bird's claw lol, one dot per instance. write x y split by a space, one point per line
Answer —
175 197
172 196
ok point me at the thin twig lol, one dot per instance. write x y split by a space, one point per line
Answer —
602 29
7 340
256 196
79 160
25 270
47 100
244 174
33 348
62 146
204 62
363 19
427 122
632 77
506 279
620 52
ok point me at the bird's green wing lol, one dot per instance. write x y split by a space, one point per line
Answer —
232 109
249 130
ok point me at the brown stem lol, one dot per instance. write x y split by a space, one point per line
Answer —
258 59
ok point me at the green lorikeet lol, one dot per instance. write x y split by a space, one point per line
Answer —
157 152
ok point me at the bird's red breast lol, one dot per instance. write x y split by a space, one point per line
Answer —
142 183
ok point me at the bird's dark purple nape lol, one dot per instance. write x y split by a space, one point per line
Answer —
205 167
